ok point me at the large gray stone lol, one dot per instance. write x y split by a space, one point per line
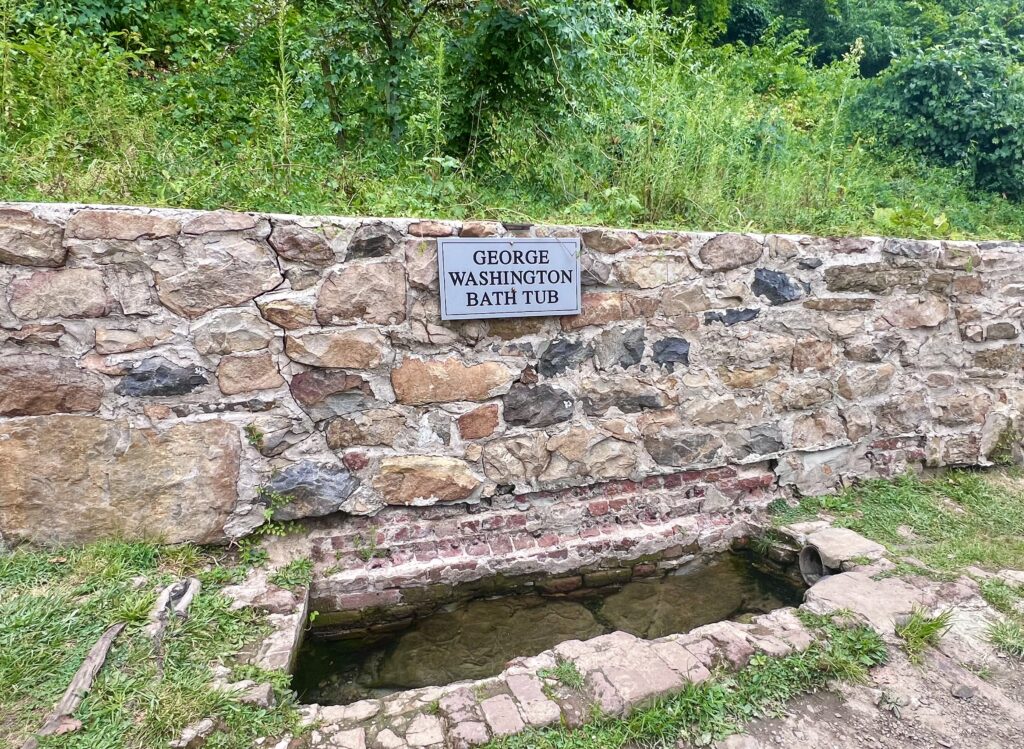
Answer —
838 545
159 377
313 489
538 406
881 603
217 270
563 354
27 240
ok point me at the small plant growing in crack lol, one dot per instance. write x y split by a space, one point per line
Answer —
565 673
921 631
254 436
762 545
250 552
367 548
1002 452
296 574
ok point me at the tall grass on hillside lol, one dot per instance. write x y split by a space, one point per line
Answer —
669 131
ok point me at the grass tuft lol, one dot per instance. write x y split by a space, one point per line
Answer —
566 674
921 631
296 574
1008 636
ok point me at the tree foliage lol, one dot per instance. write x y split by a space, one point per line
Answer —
723 113
959 105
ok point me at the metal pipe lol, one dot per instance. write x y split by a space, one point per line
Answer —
812 569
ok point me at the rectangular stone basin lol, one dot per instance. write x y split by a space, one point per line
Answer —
475 638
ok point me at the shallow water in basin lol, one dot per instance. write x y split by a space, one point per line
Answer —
475 639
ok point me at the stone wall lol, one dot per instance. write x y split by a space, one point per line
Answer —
159 367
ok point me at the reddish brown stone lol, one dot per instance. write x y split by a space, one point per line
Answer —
730 251
75 479
39 335
374 292
294 242
75 292
27 240
316 385
355 461
603 307
479 423
127 226
430 229
419 381
290 314
342 349
610 241
481 229
812 353
33 385
424 479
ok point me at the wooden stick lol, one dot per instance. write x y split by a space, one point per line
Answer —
175 598
59 719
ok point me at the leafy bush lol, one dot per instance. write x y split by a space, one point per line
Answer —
748 22
962 106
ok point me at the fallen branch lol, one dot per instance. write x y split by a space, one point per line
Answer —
60 719
174 599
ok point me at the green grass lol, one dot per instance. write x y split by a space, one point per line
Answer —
921 631
672 133
959 519
1008 636
296 574
1002 597
718 707
566 674
55 604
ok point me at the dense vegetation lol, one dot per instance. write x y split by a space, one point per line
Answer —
827 116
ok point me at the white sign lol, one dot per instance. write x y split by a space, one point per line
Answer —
499 277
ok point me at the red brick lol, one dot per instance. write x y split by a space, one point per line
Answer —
548 539
493 522
369 599
644 570
523 541
596 509
673 480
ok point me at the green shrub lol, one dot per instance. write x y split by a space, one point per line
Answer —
959 106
